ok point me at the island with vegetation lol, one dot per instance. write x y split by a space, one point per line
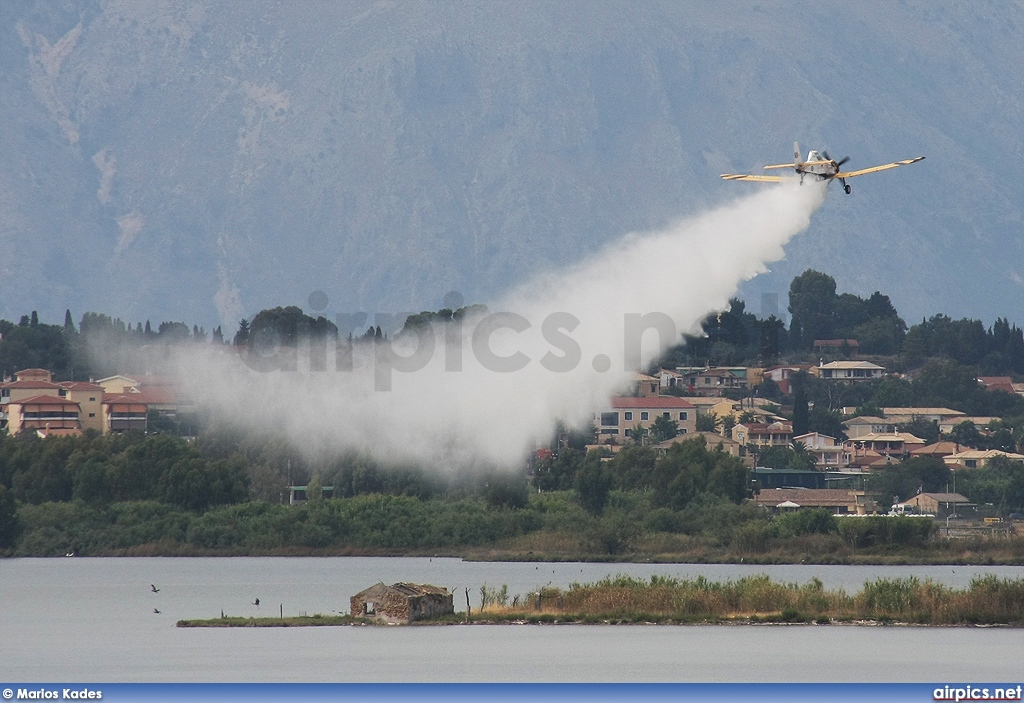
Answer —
988 600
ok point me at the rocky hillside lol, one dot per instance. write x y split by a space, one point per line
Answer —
203 160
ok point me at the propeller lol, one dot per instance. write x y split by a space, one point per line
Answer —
838 163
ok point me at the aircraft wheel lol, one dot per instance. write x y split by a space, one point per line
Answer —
848 189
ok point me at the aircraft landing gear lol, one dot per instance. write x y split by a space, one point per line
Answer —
847 189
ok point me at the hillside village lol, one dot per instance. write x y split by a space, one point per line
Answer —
746 425
874 420
661 410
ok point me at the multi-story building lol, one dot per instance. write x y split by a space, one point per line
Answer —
122 413
828 452
712 381
89 397
774 434
850 371
977 458
868 424
626 413
47 413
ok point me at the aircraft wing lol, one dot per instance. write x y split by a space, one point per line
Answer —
779 166
745 177
883 167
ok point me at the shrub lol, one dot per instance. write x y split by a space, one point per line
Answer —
818 521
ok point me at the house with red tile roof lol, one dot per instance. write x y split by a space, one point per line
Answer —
87 398
997 383
43 412
13 391
33 375
123 413
159 393
939 450
774 434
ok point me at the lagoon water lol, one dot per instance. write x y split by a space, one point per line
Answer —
92 620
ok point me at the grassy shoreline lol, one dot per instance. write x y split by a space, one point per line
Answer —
987 601
552 527
996 555
988 552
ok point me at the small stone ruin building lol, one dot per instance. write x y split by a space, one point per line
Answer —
402 602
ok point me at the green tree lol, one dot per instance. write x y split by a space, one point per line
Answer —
663 429
241 336
1000 482
827 422
708 422
769 390
507 491
812 304
907 478
315 488
10 525
893 393
558 473
593 484
35 346
728 478
928 430
801 410
779 457
90 483
807 522
967 433
638 433
633 467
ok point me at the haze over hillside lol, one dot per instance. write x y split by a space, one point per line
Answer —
203 160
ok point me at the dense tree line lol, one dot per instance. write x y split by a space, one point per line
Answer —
98 470
99 346
674 478
735 336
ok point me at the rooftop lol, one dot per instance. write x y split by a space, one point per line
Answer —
658 402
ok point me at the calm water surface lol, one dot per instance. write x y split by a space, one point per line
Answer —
93 620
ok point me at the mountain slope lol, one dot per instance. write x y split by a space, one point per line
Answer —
201 161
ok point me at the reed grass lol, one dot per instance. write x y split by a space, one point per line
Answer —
987 600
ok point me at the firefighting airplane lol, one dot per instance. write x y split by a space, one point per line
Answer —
821 166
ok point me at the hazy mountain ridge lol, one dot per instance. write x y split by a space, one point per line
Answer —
203 161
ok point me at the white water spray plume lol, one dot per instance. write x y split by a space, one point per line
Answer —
484 392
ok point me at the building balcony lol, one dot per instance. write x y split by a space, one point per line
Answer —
123 424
